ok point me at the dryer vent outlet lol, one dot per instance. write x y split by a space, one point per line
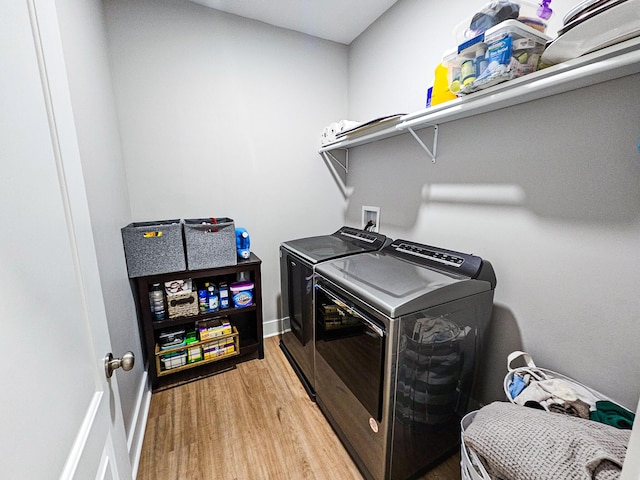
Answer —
371 218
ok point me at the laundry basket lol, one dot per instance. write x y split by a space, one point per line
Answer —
508 441
543 374
471 468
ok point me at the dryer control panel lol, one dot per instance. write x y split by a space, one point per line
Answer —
374 240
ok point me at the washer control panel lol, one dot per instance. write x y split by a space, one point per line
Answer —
457 262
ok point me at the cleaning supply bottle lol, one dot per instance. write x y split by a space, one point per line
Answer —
224 295
212 296
156 301
454 84
468 72
203 300
441 92
480 62
544 10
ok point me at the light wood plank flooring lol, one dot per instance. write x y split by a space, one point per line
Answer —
253 422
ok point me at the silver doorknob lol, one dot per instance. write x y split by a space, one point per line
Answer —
111 364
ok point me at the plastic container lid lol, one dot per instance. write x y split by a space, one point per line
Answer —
517 30
239 286
173 333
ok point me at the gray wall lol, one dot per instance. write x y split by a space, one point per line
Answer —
221 116
547 191
84 39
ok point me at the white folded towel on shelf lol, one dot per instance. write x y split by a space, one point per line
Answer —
331 131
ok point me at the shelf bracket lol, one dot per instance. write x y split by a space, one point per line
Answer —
346 191
345 167
426 149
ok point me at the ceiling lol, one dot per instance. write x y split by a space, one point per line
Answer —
338 20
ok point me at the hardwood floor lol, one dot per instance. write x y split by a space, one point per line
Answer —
253 422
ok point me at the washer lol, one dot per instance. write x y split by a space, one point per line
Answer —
398 334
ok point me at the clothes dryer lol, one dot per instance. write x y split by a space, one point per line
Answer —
298 259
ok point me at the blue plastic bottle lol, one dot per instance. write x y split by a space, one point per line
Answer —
243 243
212 296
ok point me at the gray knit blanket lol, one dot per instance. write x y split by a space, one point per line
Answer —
521 443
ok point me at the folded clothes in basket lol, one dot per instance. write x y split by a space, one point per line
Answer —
527 444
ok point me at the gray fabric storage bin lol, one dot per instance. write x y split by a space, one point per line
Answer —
209 244
152 248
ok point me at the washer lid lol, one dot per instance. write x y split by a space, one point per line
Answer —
346 241
395 286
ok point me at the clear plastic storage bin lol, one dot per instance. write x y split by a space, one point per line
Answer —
508 50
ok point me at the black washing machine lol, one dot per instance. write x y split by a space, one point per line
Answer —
298 259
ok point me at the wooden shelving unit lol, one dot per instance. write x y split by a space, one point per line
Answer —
246 323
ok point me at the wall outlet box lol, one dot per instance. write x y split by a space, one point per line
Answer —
371 218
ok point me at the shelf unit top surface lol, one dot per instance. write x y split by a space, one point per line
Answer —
613 62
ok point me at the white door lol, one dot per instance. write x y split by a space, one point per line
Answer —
60 416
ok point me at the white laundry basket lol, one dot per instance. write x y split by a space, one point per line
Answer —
471 467
543 374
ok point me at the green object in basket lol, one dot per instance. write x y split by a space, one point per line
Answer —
611 414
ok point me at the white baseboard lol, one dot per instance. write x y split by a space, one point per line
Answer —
271 328
139 423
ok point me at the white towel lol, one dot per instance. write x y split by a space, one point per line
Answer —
330 132
346 125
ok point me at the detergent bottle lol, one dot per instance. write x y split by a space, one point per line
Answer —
441 92
243 244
